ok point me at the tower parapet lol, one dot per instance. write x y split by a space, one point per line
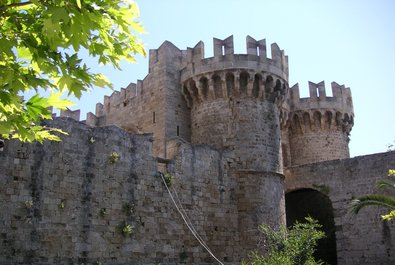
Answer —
319 126
341 99
225 59
229 75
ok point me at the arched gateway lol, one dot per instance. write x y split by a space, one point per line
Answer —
308 202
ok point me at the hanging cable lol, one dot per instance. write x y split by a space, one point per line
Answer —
190 226
186 216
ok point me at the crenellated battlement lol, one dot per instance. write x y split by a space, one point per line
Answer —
319 112
230 75
119 99
225 59
74 114
91 119
114 102
341 99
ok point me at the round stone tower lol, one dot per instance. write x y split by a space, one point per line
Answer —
318 127
235 104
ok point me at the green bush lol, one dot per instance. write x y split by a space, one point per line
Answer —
294 246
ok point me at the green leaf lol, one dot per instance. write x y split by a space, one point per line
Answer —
59 14
389 216
78 3
372 200
101 80
5 97
6 47
137 27
24 53
55 101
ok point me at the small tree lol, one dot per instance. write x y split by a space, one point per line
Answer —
40 43
294 246
378 199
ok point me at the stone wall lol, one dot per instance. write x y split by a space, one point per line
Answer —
66 202
209 195
362 238
320 145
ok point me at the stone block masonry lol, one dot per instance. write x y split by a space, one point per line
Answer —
64 202
69 201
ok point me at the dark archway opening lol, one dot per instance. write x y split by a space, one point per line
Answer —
309 202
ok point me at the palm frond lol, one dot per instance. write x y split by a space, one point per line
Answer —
382 184
372 200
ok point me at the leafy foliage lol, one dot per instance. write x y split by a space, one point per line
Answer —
103 212
28 204
114 157
40 43
289 246
61 204
126 229
169 179
378 199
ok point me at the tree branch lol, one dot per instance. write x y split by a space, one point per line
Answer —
15 5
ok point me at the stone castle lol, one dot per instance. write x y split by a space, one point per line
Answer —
244 149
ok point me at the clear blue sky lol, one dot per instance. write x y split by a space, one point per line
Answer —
350 42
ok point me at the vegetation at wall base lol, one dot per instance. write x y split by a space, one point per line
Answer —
293 246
